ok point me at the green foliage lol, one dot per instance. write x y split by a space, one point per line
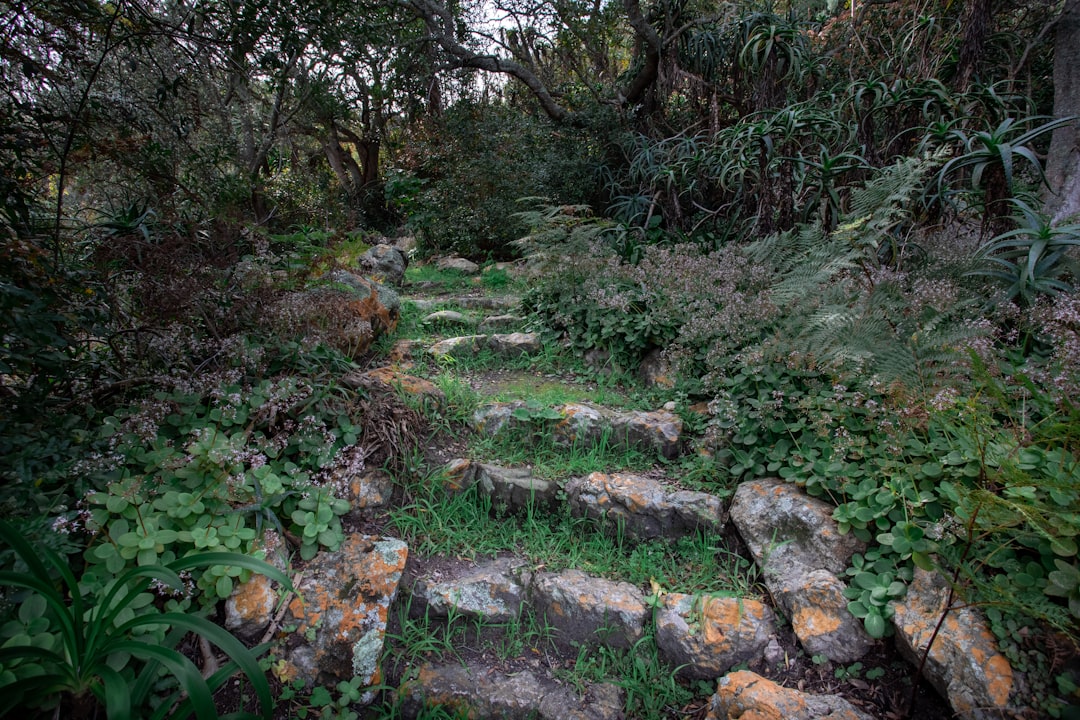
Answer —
212 474
110 642
471 173
1033 259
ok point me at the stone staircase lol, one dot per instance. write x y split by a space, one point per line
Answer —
353 615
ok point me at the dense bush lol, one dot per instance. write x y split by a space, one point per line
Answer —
459 181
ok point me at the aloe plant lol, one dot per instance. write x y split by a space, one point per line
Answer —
64 649
1033 259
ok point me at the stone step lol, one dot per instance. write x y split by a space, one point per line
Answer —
515 489
645 508
511 345
466 302
586 425
480 691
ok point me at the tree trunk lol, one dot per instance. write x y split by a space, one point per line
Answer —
973 46
1063 163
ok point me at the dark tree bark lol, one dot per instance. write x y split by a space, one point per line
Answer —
1063 163
977 22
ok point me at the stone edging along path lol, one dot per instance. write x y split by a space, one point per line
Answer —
339 627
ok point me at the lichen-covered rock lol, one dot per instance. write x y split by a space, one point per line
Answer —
423 304
347 312
659 430
493 418
493 591
486 302
448 317
643 507
796 543
656 371
369 490
820 618
389 378
404 352
459 474
705 636
581 424
250 607
457 264
496 323
343 600
964 664
385 262
458 347
748 696
590 610
584 425
481 692
514 344
781 523
516 488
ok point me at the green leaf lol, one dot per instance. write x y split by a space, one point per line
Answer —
875 625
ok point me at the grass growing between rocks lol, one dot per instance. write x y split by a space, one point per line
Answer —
652 691
550 459
466 524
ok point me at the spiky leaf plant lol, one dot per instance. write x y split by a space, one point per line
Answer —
62 648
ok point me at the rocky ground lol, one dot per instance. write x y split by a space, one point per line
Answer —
548 554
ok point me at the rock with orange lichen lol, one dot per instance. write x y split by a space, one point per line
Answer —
496 323
250 607
656 371
585 425
482 692
748 696
459 474
589 610
386 262
347 313
514 345
369 490
515 488
457 347
705 636
819 616
340 613
448 317
388 378
801 552
659 430
644 508
404 352
964 663
493 591
781 523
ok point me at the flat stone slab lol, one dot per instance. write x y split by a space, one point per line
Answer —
584 424
456 347
705 636
780 522
589 610
515 344
493 590
343 599
801 552
391 378
747 695
481 692
512 345
448 317
510 488
461 265
645 508
964 664
495 323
